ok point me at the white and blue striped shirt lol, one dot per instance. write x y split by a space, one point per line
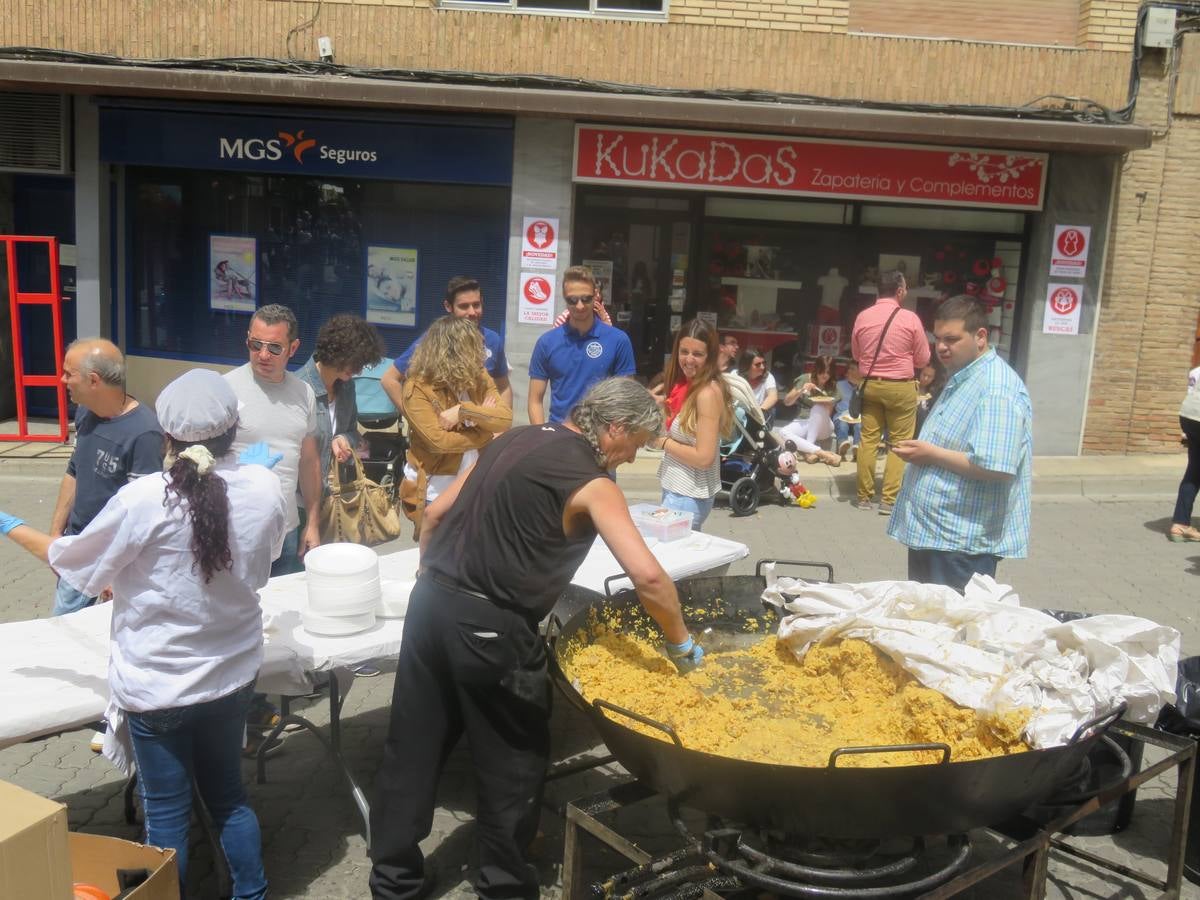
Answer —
984 412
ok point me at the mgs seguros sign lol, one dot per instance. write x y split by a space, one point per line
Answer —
764 164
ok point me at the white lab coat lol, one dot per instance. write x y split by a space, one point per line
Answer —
175 640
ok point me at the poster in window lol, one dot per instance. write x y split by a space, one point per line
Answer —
392 286
232 272
602 271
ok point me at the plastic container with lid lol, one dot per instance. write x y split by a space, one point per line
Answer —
661 523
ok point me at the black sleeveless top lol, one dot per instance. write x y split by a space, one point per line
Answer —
503 537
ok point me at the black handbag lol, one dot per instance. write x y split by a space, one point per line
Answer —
856 399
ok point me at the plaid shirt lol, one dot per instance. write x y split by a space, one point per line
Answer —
984 412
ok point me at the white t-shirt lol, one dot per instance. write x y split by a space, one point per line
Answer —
283 415
175 640
767 384
1191 402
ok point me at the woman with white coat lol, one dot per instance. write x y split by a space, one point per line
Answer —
185 552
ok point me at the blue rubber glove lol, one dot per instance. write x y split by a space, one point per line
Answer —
8 523
259 455
686 656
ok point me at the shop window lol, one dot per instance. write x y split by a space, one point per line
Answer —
319 246
615 8
778 210
795 289
942 219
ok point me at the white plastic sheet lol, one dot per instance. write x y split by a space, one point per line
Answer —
986 652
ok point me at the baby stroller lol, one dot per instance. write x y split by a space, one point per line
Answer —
749 458
378 416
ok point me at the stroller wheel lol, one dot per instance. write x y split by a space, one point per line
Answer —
743 496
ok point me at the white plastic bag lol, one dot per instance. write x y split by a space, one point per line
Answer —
986 652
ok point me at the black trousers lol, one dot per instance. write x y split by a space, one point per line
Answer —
466 665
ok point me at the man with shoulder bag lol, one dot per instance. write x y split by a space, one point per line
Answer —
890 346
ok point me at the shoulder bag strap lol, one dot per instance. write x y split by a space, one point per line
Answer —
879 346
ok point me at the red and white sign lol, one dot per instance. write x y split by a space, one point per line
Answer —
829 340
1069 255
1064 302
536 303
766 164
539 243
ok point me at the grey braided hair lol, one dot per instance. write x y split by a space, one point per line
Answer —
616 401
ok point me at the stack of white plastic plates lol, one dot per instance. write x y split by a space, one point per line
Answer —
343 589
393 604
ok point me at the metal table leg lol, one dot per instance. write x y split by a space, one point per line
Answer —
332 745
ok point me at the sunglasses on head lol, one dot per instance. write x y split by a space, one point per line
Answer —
257 346
581 300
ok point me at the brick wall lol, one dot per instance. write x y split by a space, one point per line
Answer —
638 52
1014 21
1107 24
821 16
1151 302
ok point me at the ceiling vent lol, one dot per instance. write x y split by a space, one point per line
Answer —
34 133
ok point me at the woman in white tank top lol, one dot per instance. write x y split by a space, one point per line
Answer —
698 411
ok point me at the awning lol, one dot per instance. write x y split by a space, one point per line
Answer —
633 108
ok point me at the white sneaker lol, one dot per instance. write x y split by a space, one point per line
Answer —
97 743
844 447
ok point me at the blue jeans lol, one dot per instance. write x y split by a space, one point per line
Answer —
843 431
1188 487
202 742
697 507
288 560
948 567
69 600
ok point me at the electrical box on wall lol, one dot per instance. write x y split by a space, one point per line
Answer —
1160 28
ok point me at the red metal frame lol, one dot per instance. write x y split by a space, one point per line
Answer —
16 299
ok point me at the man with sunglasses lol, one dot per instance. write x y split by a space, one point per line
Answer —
574 356
277 407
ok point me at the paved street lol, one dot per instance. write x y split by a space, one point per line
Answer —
1095 556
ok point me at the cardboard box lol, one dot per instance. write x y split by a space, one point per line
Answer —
96 858
33 846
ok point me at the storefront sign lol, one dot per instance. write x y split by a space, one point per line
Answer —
1069 255
232 272
392 286
536 303
473 151
762 164
539 243
1063 305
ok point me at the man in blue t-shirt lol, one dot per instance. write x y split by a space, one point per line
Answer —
463 300
117 440
575 355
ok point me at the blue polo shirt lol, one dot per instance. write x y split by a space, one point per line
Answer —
573 362
494 359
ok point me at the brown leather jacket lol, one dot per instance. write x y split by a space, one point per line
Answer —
434 451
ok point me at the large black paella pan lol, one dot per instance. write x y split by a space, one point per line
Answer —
833 801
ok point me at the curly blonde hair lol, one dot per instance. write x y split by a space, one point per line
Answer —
450 356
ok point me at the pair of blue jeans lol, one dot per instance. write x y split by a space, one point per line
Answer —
949 567
201 742
69 600
697 507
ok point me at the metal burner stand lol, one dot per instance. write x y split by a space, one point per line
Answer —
703 879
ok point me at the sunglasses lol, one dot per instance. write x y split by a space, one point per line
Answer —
256 346
581 300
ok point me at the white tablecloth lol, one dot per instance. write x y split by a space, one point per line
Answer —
54 672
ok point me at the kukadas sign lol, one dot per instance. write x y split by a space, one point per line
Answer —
816 168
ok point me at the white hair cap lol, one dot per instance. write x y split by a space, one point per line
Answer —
197 406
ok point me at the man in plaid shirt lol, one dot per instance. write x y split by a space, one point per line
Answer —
964 503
